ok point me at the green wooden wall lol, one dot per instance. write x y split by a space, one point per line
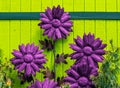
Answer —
15 32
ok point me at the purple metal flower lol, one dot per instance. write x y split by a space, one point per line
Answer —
28 58
79 76
56 23
46 84
88 48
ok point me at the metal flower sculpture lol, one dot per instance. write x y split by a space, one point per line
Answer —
56 23
88 48
79 76
46 84
28 58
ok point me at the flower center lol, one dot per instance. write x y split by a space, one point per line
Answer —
87 50
83 81
56 23
28 58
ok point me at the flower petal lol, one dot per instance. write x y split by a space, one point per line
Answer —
35 49
79 41
50 34
70 79
96 43
46 26
28 70
49 13
22 48
75 47
38 56
73 73
99 52
17 53
17 61
35 67
102 46
74 85
52 84
67 24
32 47
28 48
63 30
43 15
91 62
39 51
46 83
39 61
22 67
77 55
85 39
96 58
58 33
46 32
65 18
45 20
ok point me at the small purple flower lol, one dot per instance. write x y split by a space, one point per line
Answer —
88 48
28 59
56 23
46 84
79 76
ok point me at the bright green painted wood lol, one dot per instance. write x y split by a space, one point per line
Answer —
118 26
4 29
111 25
13 33
68 5
100 29
79 30
89 24
25 24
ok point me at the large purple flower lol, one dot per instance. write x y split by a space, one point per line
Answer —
79 76
56 23
46 84
28 59
88 48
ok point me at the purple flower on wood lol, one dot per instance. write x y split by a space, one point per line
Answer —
79 76
88 48
46 84
28 59
56 23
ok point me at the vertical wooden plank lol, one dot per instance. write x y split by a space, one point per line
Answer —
111 24
89 24
57 2
68 5
100 24
78 25
118 31
25 24
58 45
15 35
4 28
44 5
35 32
15 26
35 6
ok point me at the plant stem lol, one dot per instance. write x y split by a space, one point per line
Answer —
54 52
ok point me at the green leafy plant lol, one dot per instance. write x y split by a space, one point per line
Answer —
5 70
107 77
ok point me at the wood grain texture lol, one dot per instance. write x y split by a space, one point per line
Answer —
15 32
